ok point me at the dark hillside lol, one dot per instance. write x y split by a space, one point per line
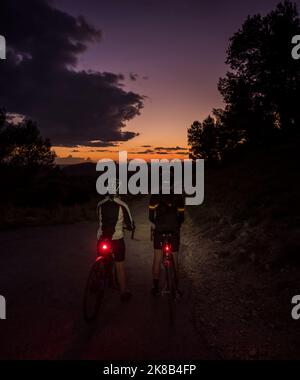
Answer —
252 208
244 255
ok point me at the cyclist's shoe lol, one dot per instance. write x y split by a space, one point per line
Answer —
125 296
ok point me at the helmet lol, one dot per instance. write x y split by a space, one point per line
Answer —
113 186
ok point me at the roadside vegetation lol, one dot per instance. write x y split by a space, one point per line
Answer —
245 238
34 190
250 146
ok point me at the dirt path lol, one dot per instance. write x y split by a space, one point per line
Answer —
243 311
42 275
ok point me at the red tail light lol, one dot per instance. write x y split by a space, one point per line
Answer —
103 247
167 248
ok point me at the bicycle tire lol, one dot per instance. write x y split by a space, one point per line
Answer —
171 287
94 291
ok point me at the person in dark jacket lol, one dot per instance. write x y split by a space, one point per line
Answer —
166 213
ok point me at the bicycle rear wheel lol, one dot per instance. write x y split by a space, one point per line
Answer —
171 288
94 291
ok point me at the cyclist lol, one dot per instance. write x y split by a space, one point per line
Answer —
114 215
166 213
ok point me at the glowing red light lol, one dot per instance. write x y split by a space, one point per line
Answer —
167 248
103 247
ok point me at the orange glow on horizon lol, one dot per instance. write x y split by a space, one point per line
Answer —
86 154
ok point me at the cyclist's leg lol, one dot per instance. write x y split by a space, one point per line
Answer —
175 244
175 258
119 253
120 267
157 258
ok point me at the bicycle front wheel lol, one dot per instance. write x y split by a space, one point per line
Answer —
94 291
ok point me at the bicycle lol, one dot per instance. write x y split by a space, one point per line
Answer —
170 288
102 276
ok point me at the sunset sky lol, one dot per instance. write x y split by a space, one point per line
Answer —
171 52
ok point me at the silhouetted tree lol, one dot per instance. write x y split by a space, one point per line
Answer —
230 139
212 139
261 91
22 146
263 87
203 139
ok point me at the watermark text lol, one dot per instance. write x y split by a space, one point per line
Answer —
2 308
296 308
296 48
2 47
156 177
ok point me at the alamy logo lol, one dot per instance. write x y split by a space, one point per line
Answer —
296 49
2 308
2 47
166 177
296 308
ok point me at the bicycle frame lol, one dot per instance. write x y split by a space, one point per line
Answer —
102 277
171 275
168 259
106 255
167 250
